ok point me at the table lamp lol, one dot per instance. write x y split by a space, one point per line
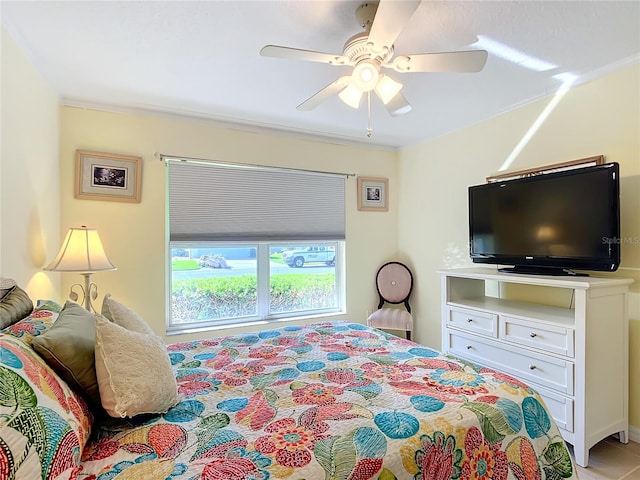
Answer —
82 252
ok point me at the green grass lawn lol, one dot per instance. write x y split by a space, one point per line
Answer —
276 258
184 265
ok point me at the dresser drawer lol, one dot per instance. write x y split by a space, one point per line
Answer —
560 407
550 338
473 321
553 373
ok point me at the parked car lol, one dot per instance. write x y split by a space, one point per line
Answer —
298 257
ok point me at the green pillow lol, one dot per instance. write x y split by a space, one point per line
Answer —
69 349
14 306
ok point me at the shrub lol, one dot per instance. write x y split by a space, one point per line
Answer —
236 296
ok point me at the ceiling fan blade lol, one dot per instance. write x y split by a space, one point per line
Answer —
324 94
397 106
465 61
277 51
390 19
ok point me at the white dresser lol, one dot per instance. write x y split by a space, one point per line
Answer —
567 337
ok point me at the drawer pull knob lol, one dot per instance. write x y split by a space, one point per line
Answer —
532 367
469 347
533 334
469 320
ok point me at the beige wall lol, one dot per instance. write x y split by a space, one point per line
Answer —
29 178
600 117
134 234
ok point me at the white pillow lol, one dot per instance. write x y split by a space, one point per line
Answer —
124 316
133 370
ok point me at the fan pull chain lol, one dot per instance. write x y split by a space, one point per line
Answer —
369 130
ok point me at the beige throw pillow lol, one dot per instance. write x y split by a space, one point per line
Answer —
133 370
124 316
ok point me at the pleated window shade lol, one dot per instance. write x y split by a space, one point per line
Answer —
234 203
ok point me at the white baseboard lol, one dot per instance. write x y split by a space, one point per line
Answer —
634 434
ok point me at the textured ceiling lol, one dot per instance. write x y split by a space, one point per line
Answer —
202 58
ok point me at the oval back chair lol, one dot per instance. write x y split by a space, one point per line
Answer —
394 282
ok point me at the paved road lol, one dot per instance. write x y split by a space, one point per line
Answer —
241 267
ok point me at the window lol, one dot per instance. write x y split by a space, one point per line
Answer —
253 244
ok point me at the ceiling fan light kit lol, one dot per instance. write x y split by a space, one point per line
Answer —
365 75
351 95
387 88
372 50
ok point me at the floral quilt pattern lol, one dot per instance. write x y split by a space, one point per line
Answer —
335 401
43 423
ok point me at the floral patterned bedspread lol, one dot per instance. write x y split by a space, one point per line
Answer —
332 401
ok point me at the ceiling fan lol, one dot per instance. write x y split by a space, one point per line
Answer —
372 50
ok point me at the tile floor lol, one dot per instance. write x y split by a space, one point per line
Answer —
612 460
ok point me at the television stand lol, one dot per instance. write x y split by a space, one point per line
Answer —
566 337
531 270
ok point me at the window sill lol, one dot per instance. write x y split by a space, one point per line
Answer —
258 324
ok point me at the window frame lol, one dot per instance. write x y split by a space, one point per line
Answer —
263 275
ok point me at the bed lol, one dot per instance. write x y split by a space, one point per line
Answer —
331 400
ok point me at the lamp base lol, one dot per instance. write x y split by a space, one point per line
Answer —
89 292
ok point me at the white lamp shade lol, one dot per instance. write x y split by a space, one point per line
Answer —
351 96
387 88
81 251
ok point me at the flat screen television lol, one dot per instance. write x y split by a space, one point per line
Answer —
550 224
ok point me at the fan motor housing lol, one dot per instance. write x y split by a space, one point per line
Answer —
359 48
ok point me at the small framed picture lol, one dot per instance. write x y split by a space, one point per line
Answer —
373 194
107 176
